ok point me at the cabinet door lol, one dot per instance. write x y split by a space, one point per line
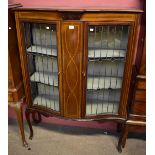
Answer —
42 64
106 56
72 68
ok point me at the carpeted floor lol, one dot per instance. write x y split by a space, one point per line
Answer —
50 139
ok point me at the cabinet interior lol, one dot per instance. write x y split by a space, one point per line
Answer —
41 50
107 48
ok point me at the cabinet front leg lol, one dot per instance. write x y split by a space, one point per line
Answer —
119 127
125 135
27 114
122 139
19 114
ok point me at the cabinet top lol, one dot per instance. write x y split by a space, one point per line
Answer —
78 9
14 5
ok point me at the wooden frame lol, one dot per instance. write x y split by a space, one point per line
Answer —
22 51
133 22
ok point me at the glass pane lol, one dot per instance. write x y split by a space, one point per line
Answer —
107 47
41 48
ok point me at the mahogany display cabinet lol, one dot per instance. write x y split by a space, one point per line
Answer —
15 80
77 63
136 113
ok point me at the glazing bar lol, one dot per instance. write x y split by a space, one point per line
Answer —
42 61
52 67
116 73
106 58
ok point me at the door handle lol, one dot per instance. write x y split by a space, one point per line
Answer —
84 74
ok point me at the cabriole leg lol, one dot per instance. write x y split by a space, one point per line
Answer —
119 127
19 114
27 114
122 139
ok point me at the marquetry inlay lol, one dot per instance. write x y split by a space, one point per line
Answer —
72 53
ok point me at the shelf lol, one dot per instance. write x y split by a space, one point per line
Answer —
104 82
45 78
111 59
47 101
43 50
106 53
42 55
101 107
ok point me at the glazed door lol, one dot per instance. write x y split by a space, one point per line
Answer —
42 64
106 48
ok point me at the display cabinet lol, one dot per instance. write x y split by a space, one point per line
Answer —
15 80
15 83
136 113
77 63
